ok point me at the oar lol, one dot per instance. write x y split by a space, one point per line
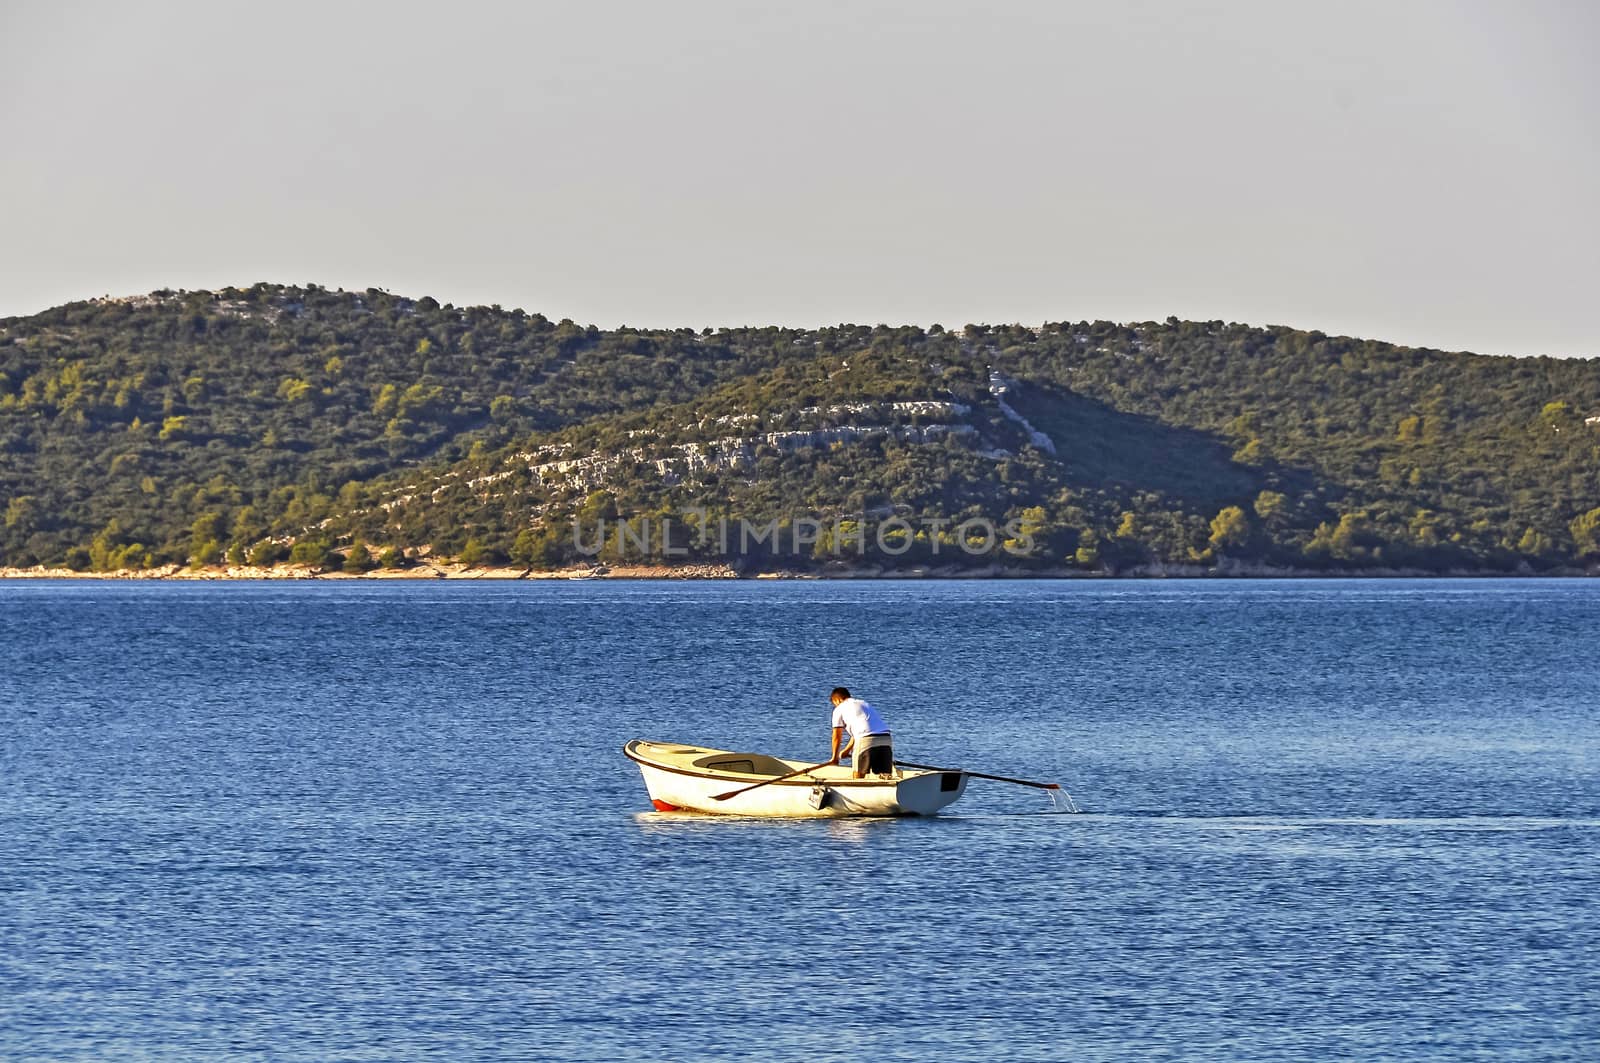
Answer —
981 775
769 782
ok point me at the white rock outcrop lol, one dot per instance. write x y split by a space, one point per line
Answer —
999 386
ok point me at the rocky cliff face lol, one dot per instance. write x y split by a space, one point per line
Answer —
558 466
572 469
734 453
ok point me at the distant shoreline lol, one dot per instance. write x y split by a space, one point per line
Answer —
451 571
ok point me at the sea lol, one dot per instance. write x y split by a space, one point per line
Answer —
1320 820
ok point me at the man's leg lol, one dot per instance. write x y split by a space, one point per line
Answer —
875 756
881 759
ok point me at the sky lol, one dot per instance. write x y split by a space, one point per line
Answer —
1424 172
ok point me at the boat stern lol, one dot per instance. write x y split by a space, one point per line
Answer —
925 793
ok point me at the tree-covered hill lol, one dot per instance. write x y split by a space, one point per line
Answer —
185 427
132 419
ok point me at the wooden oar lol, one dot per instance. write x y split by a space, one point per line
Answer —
981 775
769 782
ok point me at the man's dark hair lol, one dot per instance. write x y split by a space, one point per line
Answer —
839 694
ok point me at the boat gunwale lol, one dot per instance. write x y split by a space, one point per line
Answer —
775 780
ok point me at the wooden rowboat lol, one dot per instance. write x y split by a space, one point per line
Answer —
684 778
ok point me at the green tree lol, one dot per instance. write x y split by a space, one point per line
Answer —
1252 453
1034 528
294 389
1534 543
1424 528
1353 539
204 539
103 549
536 548
22 513
266 552
387 398
1230 529
474 553
1558 415
1272 507
1087 554
359 559
1586 533
309 552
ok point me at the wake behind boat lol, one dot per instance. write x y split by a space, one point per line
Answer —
685 778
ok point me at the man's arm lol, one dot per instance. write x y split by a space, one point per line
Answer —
838 733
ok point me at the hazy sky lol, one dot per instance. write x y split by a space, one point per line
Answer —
1422 172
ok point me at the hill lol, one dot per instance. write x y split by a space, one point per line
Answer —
189 426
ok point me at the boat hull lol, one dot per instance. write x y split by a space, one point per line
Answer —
688 779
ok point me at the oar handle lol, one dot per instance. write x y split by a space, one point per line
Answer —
983 775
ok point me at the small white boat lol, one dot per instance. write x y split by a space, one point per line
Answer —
684 778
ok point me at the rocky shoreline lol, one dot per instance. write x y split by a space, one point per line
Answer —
420 571
428 570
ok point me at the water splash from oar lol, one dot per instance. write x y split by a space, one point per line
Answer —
1061 801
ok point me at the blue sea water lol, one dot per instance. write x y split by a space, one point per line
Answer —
372 821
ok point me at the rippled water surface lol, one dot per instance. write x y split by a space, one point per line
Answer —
379 821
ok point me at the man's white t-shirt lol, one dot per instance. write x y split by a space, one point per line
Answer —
858 718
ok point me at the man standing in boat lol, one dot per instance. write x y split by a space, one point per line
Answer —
869 737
